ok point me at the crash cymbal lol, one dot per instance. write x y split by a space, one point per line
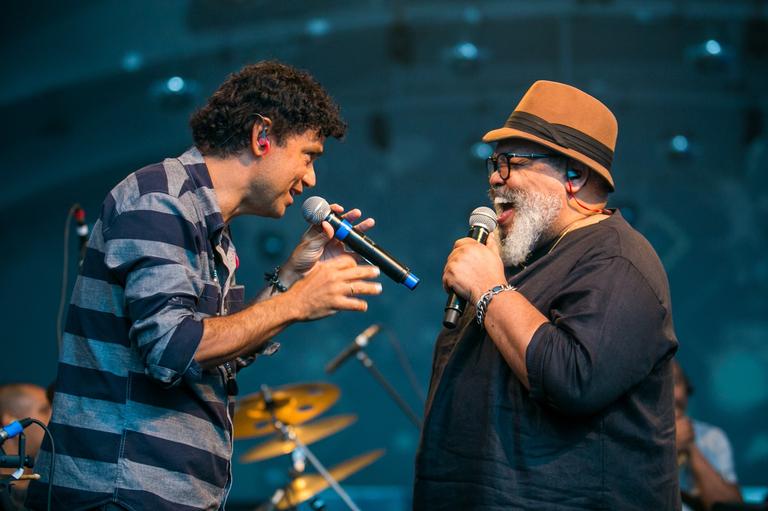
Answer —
307 434
305 487
294 404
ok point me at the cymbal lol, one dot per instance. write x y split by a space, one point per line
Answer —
307 486
307 434
293 404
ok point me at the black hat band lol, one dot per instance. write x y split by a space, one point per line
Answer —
561 135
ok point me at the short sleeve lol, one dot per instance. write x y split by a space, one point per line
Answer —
607 332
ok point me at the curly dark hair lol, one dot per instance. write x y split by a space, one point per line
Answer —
291 98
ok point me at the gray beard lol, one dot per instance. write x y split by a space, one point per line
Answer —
534 215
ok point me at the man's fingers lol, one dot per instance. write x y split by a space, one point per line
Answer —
366 224
463 241
493 243
352 304
342 262
363 287
352 215
327 229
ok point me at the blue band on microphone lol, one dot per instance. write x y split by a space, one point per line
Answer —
411 281
343 231
13 429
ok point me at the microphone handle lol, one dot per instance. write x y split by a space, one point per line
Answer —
364 246
455 305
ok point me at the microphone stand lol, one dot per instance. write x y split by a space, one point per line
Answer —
18 461
289 435
364 359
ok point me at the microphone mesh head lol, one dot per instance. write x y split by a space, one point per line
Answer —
315 209
484 217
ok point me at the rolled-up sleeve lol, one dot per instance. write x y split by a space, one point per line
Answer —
153 249
607 331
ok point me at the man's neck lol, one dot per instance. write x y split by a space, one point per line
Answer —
229 185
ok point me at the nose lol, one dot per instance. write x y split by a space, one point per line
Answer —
309 180
495 180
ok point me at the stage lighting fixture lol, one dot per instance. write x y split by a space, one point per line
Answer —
713 47
318 27
174 93
175 85
679 146
132 61
709 56
481 150
466 51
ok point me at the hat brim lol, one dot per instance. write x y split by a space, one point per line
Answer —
505 133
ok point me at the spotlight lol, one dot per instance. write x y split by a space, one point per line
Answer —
174 92
132 61
318 27
679 146
713 48
710 55
465 51
481 150
463 56
175 85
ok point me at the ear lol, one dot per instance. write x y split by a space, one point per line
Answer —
576 176
260 142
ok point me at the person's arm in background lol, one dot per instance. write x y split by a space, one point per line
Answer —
712 486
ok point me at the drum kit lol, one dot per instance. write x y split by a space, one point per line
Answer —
283 415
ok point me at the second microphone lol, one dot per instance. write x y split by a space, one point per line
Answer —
316 210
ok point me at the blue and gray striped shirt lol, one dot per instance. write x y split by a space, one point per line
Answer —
136 421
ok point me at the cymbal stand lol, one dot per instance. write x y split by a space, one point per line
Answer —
289 435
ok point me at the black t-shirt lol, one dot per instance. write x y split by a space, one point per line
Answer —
596 430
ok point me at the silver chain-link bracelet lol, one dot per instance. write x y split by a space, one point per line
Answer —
485 299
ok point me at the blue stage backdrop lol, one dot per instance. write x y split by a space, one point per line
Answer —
93 91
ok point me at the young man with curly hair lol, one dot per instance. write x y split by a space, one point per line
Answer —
156 330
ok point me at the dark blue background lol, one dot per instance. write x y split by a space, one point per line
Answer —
84 101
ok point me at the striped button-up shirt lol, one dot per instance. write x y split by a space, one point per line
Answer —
136 421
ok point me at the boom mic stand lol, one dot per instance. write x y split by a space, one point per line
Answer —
367 362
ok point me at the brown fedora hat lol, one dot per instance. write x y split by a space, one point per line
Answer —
567 120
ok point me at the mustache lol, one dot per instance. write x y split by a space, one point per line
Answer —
505 194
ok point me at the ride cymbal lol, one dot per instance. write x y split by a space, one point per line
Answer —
307 434
307 486
292 404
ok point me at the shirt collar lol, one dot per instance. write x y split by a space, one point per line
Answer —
197 170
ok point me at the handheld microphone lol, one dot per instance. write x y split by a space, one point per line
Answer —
13 429
360 342
316 210
482 222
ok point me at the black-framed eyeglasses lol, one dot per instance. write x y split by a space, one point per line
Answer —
502 163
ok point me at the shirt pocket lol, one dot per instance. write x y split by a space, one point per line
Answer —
208 299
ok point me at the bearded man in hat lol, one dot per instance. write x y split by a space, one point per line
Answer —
555 391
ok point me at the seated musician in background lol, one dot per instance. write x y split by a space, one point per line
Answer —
20 401
707 473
